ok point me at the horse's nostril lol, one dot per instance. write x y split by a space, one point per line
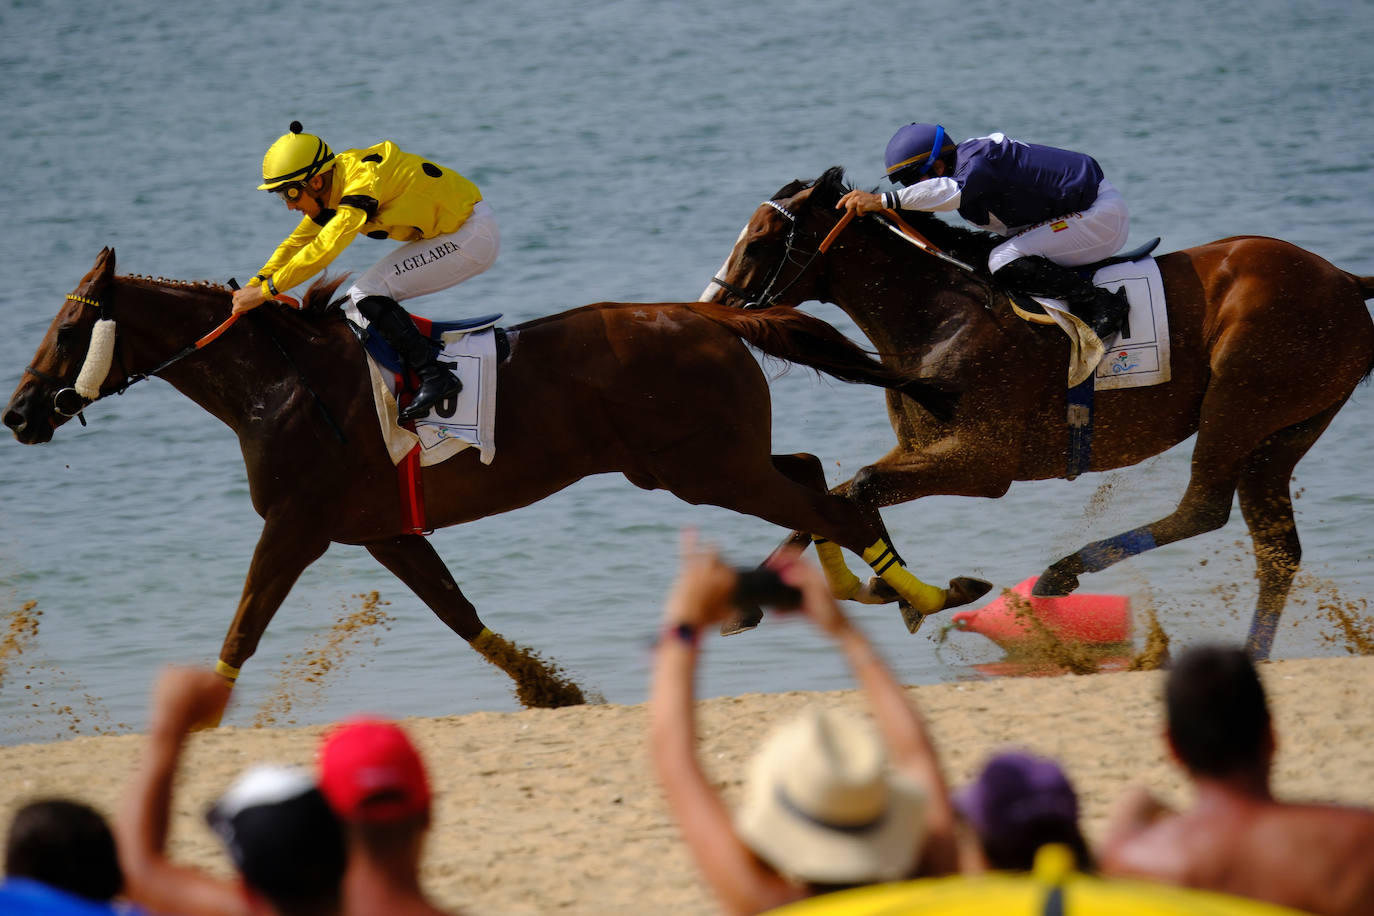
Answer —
14 420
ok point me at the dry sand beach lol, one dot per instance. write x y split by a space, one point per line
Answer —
556 811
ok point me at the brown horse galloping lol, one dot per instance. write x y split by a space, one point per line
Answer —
666 394
1267 342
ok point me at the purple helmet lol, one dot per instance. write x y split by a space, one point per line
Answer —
913 149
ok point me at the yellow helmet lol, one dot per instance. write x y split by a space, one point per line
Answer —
295 157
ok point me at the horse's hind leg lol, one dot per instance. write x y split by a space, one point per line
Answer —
1267 504
1222 464
1205 506
807 470
413 560
780 493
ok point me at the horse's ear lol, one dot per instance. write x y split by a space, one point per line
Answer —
830 187
100 275
105 261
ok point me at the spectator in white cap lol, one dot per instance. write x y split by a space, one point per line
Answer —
286 844
285 841
374 778
829 803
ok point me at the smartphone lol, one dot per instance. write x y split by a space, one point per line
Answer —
763 587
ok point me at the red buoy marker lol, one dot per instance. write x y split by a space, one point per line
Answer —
1010 620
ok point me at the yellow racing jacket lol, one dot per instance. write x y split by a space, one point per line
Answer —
381 191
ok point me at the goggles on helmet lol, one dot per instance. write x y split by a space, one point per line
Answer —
290 192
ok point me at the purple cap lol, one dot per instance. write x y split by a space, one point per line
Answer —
1016 790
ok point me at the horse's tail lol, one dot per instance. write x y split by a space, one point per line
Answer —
797 337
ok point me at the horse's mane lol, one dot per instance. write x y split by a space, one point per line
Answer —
318 302
970 245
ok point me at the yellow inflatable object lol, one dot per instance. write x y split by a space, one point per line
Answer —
1052 888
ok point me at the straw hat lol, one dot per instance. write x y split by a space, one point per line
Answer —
822 806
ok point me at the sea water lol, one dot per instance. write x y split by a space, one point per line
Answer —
622 144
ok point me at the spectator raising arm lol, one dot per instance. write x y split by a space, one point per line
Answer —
182 699
742 883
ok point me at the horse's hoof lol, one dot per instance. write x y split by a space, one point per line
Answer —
1053 584
747 619
911 617
964 590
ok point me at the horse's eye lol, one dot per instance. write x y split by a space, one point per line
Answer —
68 337
760 245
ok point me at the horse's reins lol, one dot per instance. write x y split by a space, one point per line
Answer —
904 230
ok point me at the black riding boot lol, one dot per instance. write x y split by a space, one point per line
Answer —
1103 310
393 323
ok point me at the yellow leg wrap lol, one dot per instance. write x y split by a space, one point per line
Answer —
843 583
483 638
228 672
927 599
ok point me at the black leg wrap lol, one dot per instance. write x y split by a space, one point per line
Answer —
1103 311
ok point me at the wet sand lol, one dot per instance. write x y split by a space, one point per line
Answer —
556 811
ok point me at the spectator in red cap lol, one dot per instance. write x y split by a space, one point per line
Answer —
1018 803
286 843
375 780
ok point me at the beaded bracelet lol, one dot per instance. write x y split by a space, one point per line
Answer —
684 633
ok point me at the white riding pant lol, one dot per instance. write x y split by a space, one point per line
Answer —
429 265
1075 238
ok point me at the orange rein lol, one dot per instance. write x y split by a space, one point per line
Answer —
229 322
897 224
829 239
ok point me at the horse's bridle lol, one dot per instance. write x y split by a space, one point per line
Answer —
66 400
791 254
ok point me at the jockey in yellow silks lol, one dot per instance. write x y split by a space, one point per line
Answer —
383 192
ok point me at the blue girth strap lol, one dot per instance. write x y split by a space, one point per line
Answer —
1080 420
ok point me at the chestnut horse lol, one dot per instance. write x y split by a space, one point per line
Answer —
666 394
1267 343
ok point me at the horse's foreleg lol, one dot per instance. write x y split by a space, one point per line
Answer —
282 554
413 560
